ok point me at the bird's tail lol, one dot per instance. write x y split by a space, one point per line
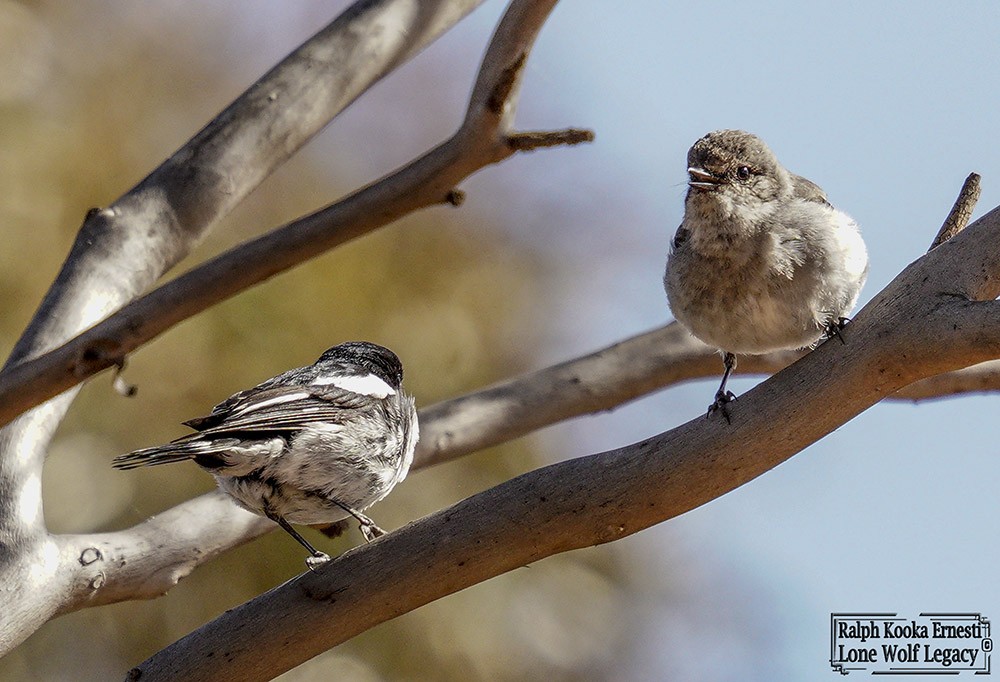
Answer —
161 454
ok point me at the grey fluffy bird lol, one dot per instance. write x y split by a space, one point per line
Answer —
313 445
761 261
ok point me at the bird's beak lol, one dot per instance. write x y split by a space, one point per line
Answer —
702 179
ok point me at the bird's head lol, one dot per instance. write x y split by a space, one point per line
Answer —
734 176
366 358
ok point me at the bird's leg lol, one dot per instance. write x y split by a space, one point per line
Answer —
834 327
368 527
722 396
318 558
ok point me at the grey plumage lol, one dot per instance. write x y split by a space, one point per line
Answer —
313 445
761 261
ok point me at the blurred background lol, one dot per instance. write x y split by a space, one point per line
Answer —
888 106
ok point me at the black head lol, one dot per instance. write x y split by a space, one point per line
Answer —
737 163
371 357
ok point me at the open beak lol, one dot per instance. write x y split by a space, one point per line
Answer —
699 178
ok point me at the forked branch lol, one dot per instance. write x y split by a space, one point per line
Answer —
484 138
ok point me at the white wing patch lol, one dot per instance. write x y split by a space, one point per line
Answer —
290 397
367 384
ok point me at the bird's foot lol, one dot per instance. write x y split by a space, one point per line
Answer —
721 404
368 527
317 560
834 327
370 530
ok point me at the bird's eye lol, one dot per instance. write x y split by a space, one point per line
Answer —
743 172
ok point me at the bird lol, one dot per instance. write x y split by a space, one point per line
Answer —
313 445
761 261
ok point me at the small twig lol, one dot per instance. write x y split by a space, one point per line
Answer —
961 212
523 142
455 197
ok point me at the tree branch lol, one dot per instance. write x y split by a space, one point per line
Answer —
155 224
981 378
129 564
523 142
946 296
484 138
961 212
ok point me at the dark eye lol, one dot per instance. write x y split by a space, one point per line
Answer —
743 173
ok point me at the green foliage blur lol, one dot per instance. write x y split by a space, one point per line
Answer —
93 95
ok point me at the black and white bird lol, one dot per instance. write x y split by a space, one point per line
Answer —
313 445
761 261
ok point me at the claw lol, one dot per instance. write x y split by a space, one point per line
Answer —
368 527
722 400
834 327
317 560
371 531
722 396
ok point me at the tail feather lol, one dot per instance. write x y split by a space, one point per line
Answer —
210 454
161 454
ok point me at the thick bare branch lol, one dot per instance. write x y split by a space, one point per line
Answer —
603 497
145 561
981 378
